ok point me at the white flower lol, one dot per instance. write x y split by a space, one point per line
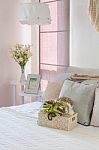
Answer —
20 59
21 53
29 55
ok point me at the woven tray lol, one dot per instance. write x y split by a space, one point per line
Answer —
65 122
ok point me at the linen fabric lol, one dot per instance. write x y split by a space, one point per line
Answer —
95 114
82 96
52 91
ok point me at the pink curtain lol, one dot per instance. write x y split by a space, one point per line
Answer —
54 42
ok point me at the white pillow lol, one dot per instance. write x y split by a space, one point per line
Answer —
82 96
62 77
95 114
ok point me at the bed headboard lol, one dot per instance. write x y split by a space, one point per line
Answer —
83 71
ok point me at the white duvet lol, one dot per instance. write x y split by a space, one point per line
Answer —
19 131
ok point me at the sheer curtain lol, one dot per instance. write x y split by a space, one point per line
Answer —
54 42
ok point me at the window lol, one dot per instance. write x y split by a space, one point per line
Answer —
54 41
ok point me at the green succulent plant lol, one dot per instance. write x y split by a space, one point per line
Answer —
55 107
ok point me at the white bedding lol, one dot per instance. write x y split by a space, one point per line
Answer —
30 109
19 131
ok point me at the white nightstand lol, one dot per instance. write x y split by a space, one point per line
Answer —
14 85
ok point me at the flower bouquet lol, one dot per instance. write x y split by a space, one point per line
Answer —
21 54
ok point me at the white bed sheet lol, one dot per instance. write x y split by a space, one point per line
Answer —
19 131
30 109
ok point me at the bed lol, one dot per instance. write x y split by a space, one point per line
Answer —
19 131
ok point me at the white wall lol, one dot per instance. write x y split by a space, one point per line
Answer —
11 32
84 45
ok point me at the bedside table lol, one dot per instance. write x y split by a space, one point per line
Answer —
37 96
14 85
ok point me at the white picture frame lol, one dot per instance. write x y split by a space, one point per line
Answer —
32 84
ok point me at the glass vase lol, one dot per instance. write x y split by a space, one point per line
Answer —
22 78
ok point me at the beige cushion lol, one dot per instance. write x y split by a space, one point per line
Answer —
95 115
52 91
82 96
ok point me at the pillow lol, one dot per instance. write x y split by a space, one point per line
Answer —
91 82
95 114
82 96
62 77
52 91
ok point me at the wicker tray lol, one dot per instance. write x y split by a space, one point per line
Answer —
65 122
